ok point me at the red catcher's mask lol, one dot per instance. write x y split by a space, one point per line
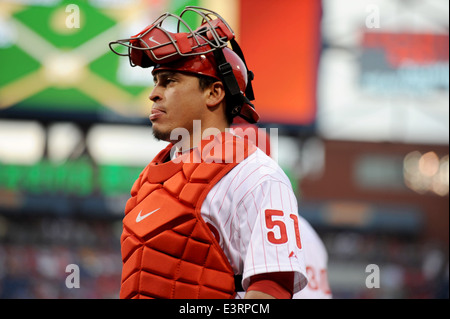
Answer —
202 51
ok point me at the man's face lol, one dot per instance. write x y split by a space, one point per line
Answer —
177 101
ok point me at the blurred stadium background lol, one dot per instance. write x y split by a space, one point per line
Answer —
359 92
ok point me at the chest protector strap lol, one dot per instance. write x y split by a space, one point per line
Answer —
168 251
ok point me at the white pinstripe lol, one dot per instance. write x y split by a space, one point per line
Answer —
236 207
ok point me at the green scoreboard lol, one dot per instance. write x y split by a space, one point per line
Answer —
55 61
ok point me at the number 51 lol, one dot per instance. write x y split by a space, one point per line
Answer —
271 224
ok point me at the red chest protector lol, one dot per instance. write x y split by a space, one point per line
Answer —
168 251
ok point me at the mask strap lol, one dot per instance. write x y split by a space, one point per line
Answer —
225 71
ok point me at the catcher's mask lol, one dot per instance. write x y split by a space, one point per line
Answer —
201 51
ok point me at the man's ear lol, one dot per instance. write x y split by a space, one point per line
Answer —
215 94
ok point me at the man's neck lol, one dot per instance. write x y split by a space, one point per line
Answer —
200 131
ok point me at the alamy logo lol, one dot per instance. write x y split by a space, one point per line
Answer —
373 279
73 279
373 16
230 153
73 19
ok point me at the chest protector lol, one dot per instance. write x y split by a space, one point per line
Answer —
168 251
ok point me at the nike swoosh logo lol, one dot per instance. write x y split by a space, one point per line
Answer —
153 40
140 217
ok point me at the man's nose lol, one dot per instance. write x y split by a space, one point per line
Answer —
156 94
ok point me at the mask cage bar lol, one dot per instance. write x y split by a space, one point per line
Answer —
207 17
199 35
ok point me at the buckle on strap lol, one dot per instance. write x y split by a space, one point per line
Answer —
225 68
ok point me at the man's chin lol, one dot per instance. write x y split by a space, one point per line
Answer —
161 135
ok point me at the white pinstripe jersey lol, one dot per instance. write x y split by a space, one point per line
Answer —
316 264
254 210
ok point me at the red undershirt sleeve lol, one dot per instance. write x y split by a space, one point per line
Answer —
279 284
